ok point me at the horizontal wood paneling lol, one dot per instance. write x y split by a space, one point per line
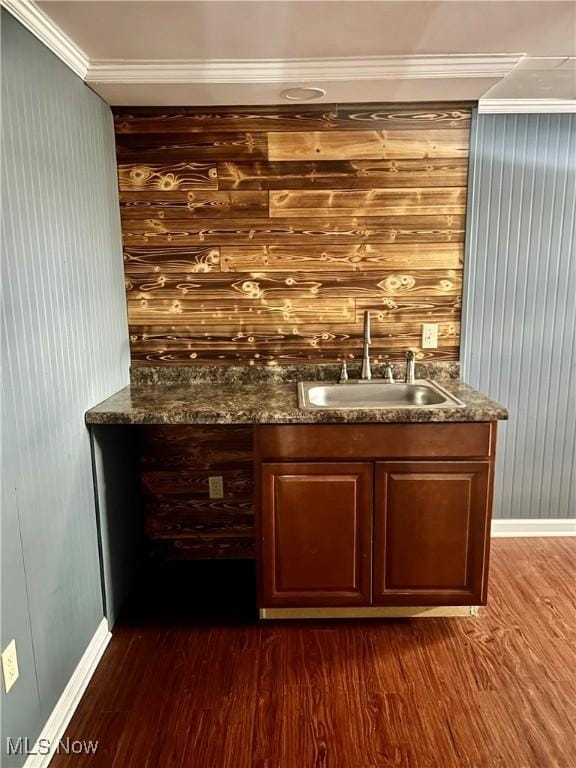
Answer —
315 117
191 147
150 262
245 310
182 289
288 339
182 521
272 355
375 202
282 258
312 332
409 308
176 176
140 230
154 206
355 174
250 219
391 143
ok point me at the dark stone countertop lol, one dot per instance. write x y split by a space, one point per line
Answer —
269 402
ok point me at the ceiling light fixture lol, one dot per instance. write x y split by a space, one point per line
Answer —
303 94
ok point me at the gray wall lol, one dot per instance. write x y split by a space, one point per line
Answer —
64 348
519 324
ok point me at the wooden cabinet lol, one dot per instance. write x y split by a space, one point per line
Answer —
430 533
317 533
408 525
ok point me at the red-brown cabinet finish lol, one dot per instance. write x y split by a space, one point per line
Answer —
316 530
431 532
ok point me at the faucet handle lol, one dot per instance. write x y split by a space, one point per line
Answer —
389 373
343 373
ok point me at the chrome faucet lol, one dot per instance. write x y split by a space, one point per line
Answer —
343 378
366 373
410 367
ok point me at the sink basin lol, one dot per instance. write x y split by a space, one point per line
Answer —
375 394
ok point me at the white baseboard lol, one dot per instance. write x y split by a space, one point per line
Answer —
70 698
535 528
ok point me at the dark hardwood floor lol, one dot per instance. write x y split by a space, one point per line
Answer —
191 679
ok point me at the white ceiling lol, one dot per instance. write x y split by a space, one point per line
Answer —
293 30
154 52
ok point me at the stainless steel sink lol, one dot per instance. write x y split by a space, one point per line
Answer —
375 394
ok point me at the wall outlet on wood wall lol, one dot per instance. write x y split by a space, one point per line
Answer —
429 335
216 487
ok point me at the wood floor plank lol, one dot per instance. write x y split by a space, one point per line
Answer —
192 679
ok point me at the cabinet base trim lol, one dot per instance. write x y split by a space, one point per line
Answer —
370 612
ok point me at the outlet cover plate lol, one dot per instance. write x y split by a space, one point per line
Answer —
429 335
216 486
10 670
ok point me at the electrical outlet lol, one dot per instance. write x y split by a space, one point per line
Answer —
429 335
216 487
10 665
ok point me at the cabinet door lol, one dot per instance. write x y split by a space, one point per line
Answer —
431 533
316 534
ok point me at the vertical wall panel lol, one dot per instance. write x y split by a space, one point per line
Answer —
64 348
519 314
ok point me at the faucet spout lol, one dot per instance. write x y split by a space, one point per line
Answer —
410 367
366 373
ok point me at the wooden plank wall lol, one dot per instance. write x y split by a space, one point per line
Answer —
182 522
260 235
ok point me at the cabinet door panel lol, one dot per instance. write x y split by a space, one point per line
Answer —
431 533
316 528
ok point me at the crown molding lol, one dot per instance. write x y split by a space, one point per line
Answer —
48 33
519 106
300 70
256 71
